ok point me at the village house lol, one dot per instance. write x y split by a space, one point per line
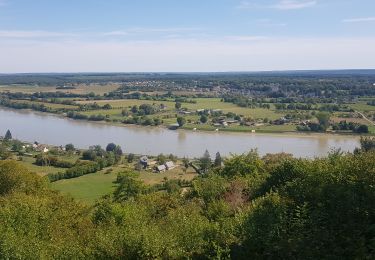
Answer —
169 165
161 168
143 161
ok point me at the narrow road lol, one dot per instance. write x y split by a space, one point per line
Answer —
364 117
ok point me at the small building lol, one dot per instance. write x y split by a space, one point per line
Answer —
161 168
184 112
173 126
143 161
169 165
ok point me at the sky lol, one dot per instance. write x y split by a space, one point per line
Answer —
185 35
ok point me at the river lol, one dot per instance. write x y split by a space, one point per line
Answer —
50 129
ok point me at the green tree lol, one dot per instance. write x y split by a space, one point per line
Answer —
323 119
205 162
69 148
128 187
130 157
181 121
218 160
161 159
110 147
178 105
203 119
8 135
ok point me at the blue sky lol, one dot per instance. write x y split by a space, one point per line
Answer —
185 35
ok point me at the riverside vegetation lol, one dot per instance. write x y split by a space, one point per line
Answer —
240 207
340 102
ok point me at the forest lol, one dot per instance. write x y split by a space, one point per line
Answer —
248 207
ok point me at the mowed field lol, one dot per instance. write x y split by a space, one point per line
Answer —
201 103
362 106
91 187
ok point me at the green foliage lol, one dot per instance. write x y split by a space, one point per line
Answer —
277 207
323 119
218 160
203 119
367 144
205 162
178 105
130 157
15 178
69 147
209 188
245 164
161 159
128 187
8 135
322 209
181 121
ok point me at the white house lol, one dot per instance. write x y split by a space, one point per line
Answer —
169 165
161 168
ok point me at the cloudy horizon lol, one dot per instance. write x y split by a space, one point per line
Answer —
122 36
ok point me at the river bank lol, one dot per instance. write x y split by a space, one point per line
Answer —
57 130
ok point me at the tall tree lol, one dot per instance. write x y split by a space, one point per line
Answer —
205 162
218 160
323 119
8 135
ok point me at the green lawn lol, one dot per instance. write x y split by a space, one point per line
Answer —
91 187
362 106
28 162
202 103
87 188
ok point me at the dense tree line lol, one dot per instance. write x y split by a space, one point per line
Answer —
275 207
95 159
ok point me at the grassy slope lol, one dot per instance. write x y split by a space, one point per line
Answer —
91 187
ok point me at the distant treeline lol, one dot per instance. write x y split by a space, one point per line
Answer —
332 84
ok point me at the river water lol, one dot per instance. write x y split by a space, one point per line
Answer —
50 129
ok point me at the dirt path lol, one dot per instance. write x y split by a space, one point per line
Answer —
365 118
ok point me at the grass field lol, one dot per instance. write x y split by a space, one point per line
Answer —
202 103
91 187
49 105
362 106
28 162
87 188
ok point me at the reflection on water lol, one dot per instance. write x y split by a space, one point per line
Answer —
50 129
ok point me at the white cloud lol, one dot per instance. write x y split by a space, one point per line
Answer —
294 4
280 5
359 20
188 55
